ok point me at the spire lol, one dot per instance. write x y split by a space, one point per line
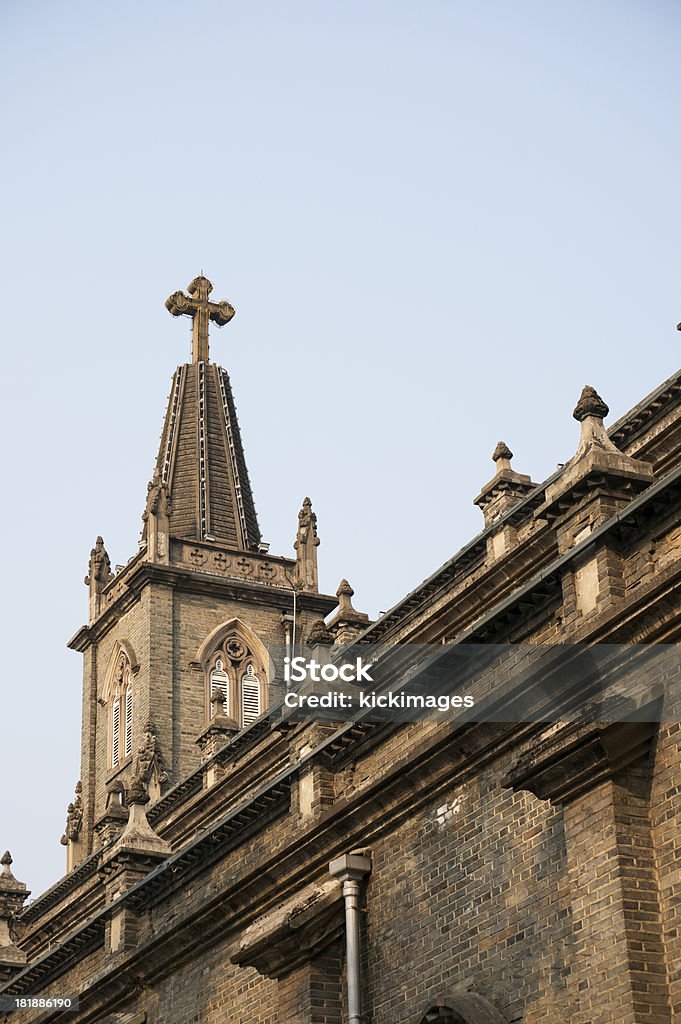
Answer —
200 488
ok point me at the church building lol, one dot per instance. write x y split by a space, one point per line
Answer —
227 863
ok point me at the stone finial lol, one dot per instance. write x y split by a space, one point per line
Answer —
219 730
345 594
12 891
137 792
319 634
12 896
590 412
99 574
138 837
502 456
74 818
99 569
156 519
590 404
150 761
597 459
505 489
306 544
347 623
502 451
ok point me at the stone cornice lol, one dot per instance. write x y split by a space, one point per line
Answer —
574 758
195 582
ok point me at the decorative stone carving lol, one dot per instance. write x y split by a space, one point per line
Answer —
220 561
109 827
138 835
319 634
347 623
156 520
149 765
505 489
99 575
597 465
306 544
99 570
12 896
74 817
217 733
197 556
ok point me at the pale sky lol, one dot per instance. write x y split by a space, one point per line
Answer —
436 221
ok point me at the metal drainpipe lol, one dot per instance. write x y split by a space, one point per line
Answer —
350 870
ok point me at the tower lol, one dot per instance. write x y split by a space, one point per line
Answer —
175 651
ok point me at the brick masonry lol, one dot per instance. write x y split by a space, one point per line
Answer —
501 889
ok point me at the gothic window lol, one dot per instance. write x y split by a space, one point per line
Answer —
251 696
121 702
236 671
128 719
219 683
115 730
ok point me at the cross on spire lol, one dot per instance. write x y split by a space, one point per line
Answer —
198 306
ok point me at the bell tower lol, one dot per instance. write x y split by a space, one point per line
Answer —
175 651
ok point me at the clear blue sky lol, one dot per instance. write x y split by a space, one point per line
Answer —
436 221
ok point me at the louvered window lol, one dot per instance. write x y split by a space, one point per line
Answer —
115 731
250 697
128 720
219 683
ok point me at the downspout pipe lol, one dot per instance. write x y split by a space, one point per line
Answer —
351 870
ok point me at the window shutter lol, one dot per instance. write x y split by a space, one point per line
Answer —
128 720
115 731
250 699
219 683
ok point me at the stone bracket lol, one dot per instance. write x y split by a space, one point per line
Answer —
294 933
574 757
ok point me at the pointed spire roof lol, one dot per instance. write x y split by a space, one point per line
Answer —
201 465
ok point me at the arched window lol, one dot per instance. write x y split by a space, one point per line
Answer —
128 719
251 696
443 1015
466 1008
115 730
122 701
236 670
219 683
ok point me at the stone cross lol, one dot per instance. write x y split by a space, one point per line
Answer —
198 306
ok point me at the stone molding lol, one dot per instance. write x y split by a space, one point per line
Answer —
571 759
